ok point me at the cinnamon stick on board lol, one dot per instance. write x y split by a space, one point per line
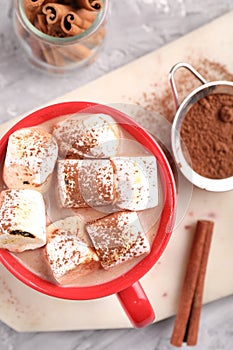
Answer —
194 318
190 281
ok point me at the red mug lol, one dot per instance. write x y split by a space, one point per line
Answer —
127 287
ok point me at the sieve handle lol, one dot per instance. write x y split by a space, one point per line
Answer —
172 79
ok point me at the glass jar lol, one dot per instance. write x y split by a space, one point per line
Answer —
59 54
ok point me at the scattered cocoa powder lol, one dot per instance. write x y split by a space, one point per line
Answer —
159 100
207 132
163 102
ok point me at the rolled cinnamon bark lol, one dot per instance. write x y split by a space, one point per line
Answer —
87 15
54 12
72 24
33 3
203 231
55 30
41 23
51 55
91 5
57 57
75 52
194 318
31 8
47 55
97 37
35 48
72 20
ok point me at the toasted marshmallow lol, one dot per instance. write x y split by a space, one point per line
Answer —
136 182
87 136
68 251
87 182
118 238
30 159
22 220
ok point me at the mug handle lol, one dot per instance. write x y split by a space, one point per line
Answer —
136 305
172 79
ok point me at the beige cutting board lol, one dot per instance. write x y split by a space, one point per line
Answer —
26 310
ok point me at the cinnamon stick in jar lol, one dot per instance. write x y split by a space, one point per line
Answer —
91 5
76 52
97 37
86 15
71 24
41 24
52 56
54 12
31 8
62 19
33 3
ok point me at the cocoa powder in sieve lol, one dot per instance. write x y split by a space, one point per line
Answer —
207 132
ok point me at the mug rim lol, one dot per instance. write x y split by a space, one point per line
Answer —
166 221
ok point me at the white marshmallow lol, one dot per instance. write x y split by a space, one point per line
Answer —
30 159
87 136
87 182
118 238
22 220
68 251
136 182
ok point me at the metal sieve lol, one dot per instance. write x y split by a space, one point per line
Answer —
207 88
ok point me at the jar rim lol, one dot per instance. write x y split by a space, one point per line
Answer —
67 40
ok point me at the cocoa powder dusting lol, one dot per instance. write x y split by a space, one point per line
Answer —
164 103
207 132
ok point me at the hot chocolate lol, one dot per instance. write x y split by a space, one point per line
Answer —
147 214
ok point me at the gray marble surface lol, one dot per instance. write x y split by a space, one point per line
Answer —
135 27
